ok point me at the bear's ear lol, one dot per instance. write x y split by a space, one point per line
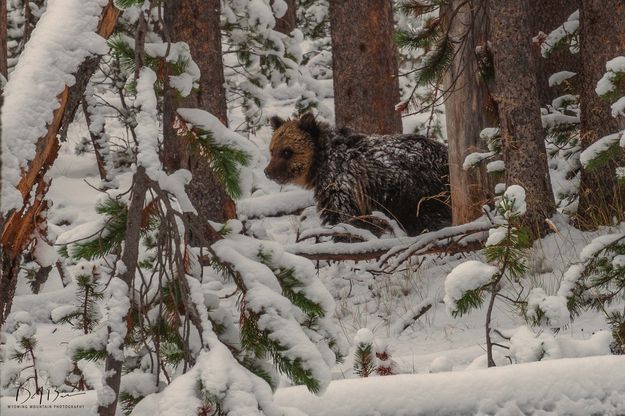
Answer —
276 122
308 124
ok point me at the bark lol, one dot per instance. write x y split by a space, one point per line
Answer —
546 16
287 23
197 23
18 227
519 110
602 38
364 64
113 367
96 141
468 110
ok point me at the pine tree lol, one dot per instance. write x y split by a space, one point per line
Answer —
468 282
364 354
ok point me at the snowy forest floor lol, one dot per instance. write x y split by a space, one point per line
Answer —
434 343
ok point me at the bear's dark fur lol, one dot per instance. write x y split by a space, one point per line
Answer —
405 176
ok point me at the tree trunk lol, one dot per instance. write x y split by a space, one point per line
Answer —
602 38
467 112
3 74
519 110
130 254
546 16
197 23
364 64
286 23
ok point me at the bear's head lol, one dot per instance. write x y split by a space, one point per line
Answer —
292 149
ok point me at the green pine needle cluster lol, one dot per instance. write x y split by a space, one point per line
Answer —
603 158
225 161
85 316
364 360
263 346
125 53
471 299
26 344
291 285
431 37
601 285
90 354
108 239
128 402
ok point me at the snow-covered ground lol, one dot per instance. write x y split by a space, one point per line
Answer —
562 383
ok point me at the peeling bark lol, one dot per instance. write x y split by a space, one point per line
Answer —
468 110
18 227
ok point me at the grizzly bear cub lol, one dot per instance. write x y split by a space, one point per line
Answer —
404 176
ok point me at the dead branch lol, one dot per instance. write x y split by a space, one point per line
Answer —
18 228
393 252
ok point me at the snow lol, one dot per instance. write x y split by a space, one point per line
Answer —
559 77
116 309
496 235
222 134
62 39
554 307
362 295
138 384
495 166
598 147
567 29
556 387
364 336
44 253
441 364
274 204
516 194
474 159
599 244
465 277
175 184
613 67
147 129
618 108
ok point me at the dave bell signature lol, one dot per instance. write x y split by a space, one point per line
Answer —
41 393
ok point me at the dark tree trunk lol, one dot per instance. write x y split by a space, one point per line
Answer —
286 23
468 111
546 16
364 63
519 110
196 22
602 39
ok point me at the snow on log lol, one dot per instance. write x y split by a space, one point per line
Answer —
564 386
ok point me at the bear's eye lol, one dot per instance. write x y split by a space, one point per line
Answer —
287 153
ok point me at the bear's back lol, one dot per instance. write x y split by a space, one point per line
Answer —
395 171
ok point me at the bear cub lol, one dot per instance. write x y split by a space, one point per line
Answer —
405 176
